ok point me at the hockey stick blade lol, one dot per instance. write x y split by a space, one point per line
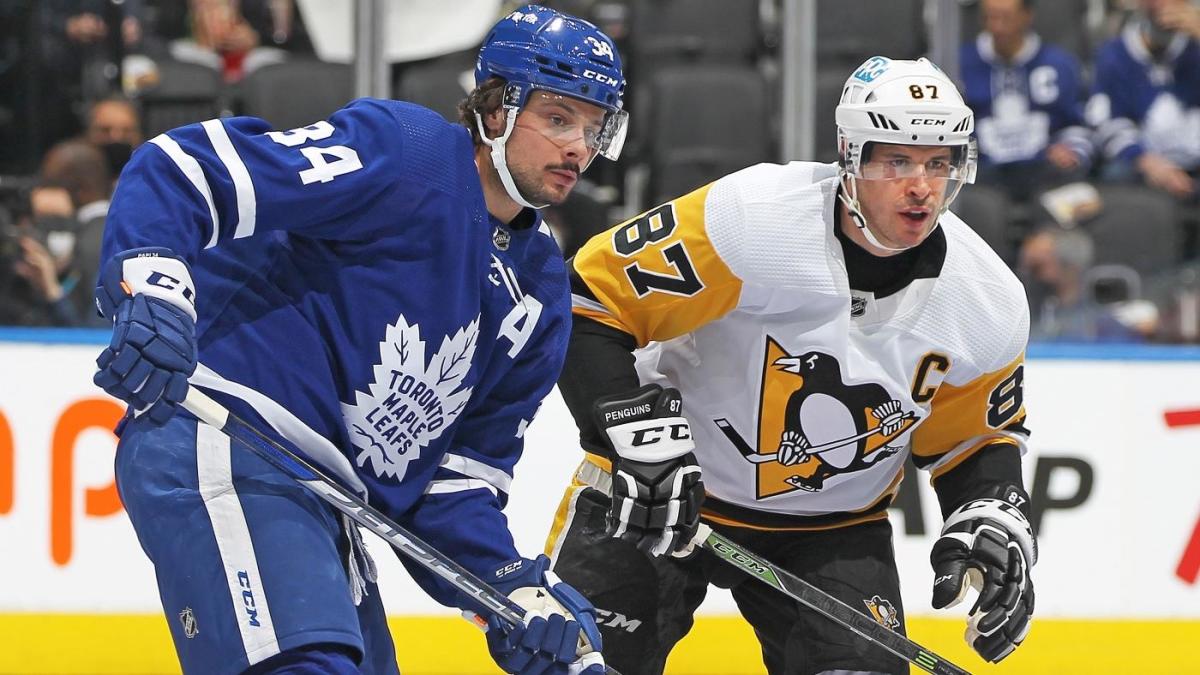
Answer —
345 501
800 590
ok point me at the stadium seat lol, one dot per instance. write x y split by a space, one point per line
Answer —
1138 227
850 32
437 84
680 171
986 210
699 29
703 122
297 93
185 93
829 81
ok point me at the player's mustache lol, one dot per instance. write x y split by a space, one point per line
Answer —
568 166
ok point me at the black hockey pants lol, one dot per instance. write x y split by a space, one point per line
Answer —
645 606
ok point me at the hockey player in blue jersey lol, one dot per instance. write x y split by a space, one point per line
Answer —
1028 101
379 291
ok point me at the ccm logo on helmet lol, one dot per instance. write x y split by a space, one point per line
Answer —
600 77
928 122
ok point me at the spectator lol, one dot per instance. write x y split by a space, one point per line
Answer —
84 20
77 37
1027 99
81 168
31 291
279 24
219 36
114 126
1054 262
1146 104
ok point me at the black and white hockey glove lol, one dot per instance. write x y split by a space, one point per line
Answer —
657 489
988 545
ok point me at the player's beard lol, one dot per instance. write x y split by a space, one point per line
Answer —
532 186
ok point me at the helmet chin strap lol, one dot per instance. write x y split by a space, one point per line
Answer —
499 159
860 220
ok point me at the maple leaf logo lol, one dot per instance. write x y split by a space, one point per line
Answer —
410 402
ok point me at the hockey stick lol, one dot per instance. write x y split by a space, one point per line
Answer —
756 458
216 415
813 597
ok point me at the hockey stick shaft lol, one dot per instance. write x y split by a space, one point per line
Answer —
800 590
343 500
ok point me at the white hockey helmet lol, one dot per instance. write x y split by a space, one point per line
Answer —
904 103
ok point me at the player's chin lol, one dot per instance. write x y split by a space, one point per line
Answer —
555 193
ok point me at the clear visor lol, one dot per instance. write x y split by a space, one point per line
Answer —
612 136
565 119
953 165
903 168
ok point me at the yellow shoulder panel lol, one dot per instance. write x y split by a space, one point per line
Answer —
657 276
976 411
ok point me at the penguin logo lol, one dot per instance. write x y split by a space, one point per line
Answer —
813 425
883 611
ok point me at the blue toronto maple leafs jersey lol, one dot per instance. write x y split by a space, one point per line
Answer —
1023 107
348 273
1141 103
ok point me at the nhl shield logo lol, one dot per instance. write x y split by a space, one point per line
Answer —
813 425
858 306
501 238
188 619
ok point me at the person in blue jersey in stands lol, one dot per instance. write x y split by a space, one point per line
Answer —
1028 101
379 291
1146 101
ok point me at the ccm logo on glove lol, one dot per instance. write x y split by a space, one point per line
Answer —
149 296
651 435
657 489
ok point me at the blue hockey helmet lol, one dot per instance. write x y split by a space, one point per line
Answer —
536 47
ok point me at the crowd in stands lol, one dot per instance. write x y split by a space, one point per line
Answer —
1097 163
1089 140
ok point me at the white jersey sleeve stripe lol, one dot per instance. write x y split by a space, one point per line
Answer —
317 447
215 473
242 185
195 175
473 468
437 487
586 303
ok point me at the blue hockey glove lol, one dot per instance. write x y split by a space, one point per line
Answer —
149 296
560 636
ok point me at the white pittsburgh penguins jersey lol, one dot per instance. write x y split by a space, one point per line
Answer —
805 397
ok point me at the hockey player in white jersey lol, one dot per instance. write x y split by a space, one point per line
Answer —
763 353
